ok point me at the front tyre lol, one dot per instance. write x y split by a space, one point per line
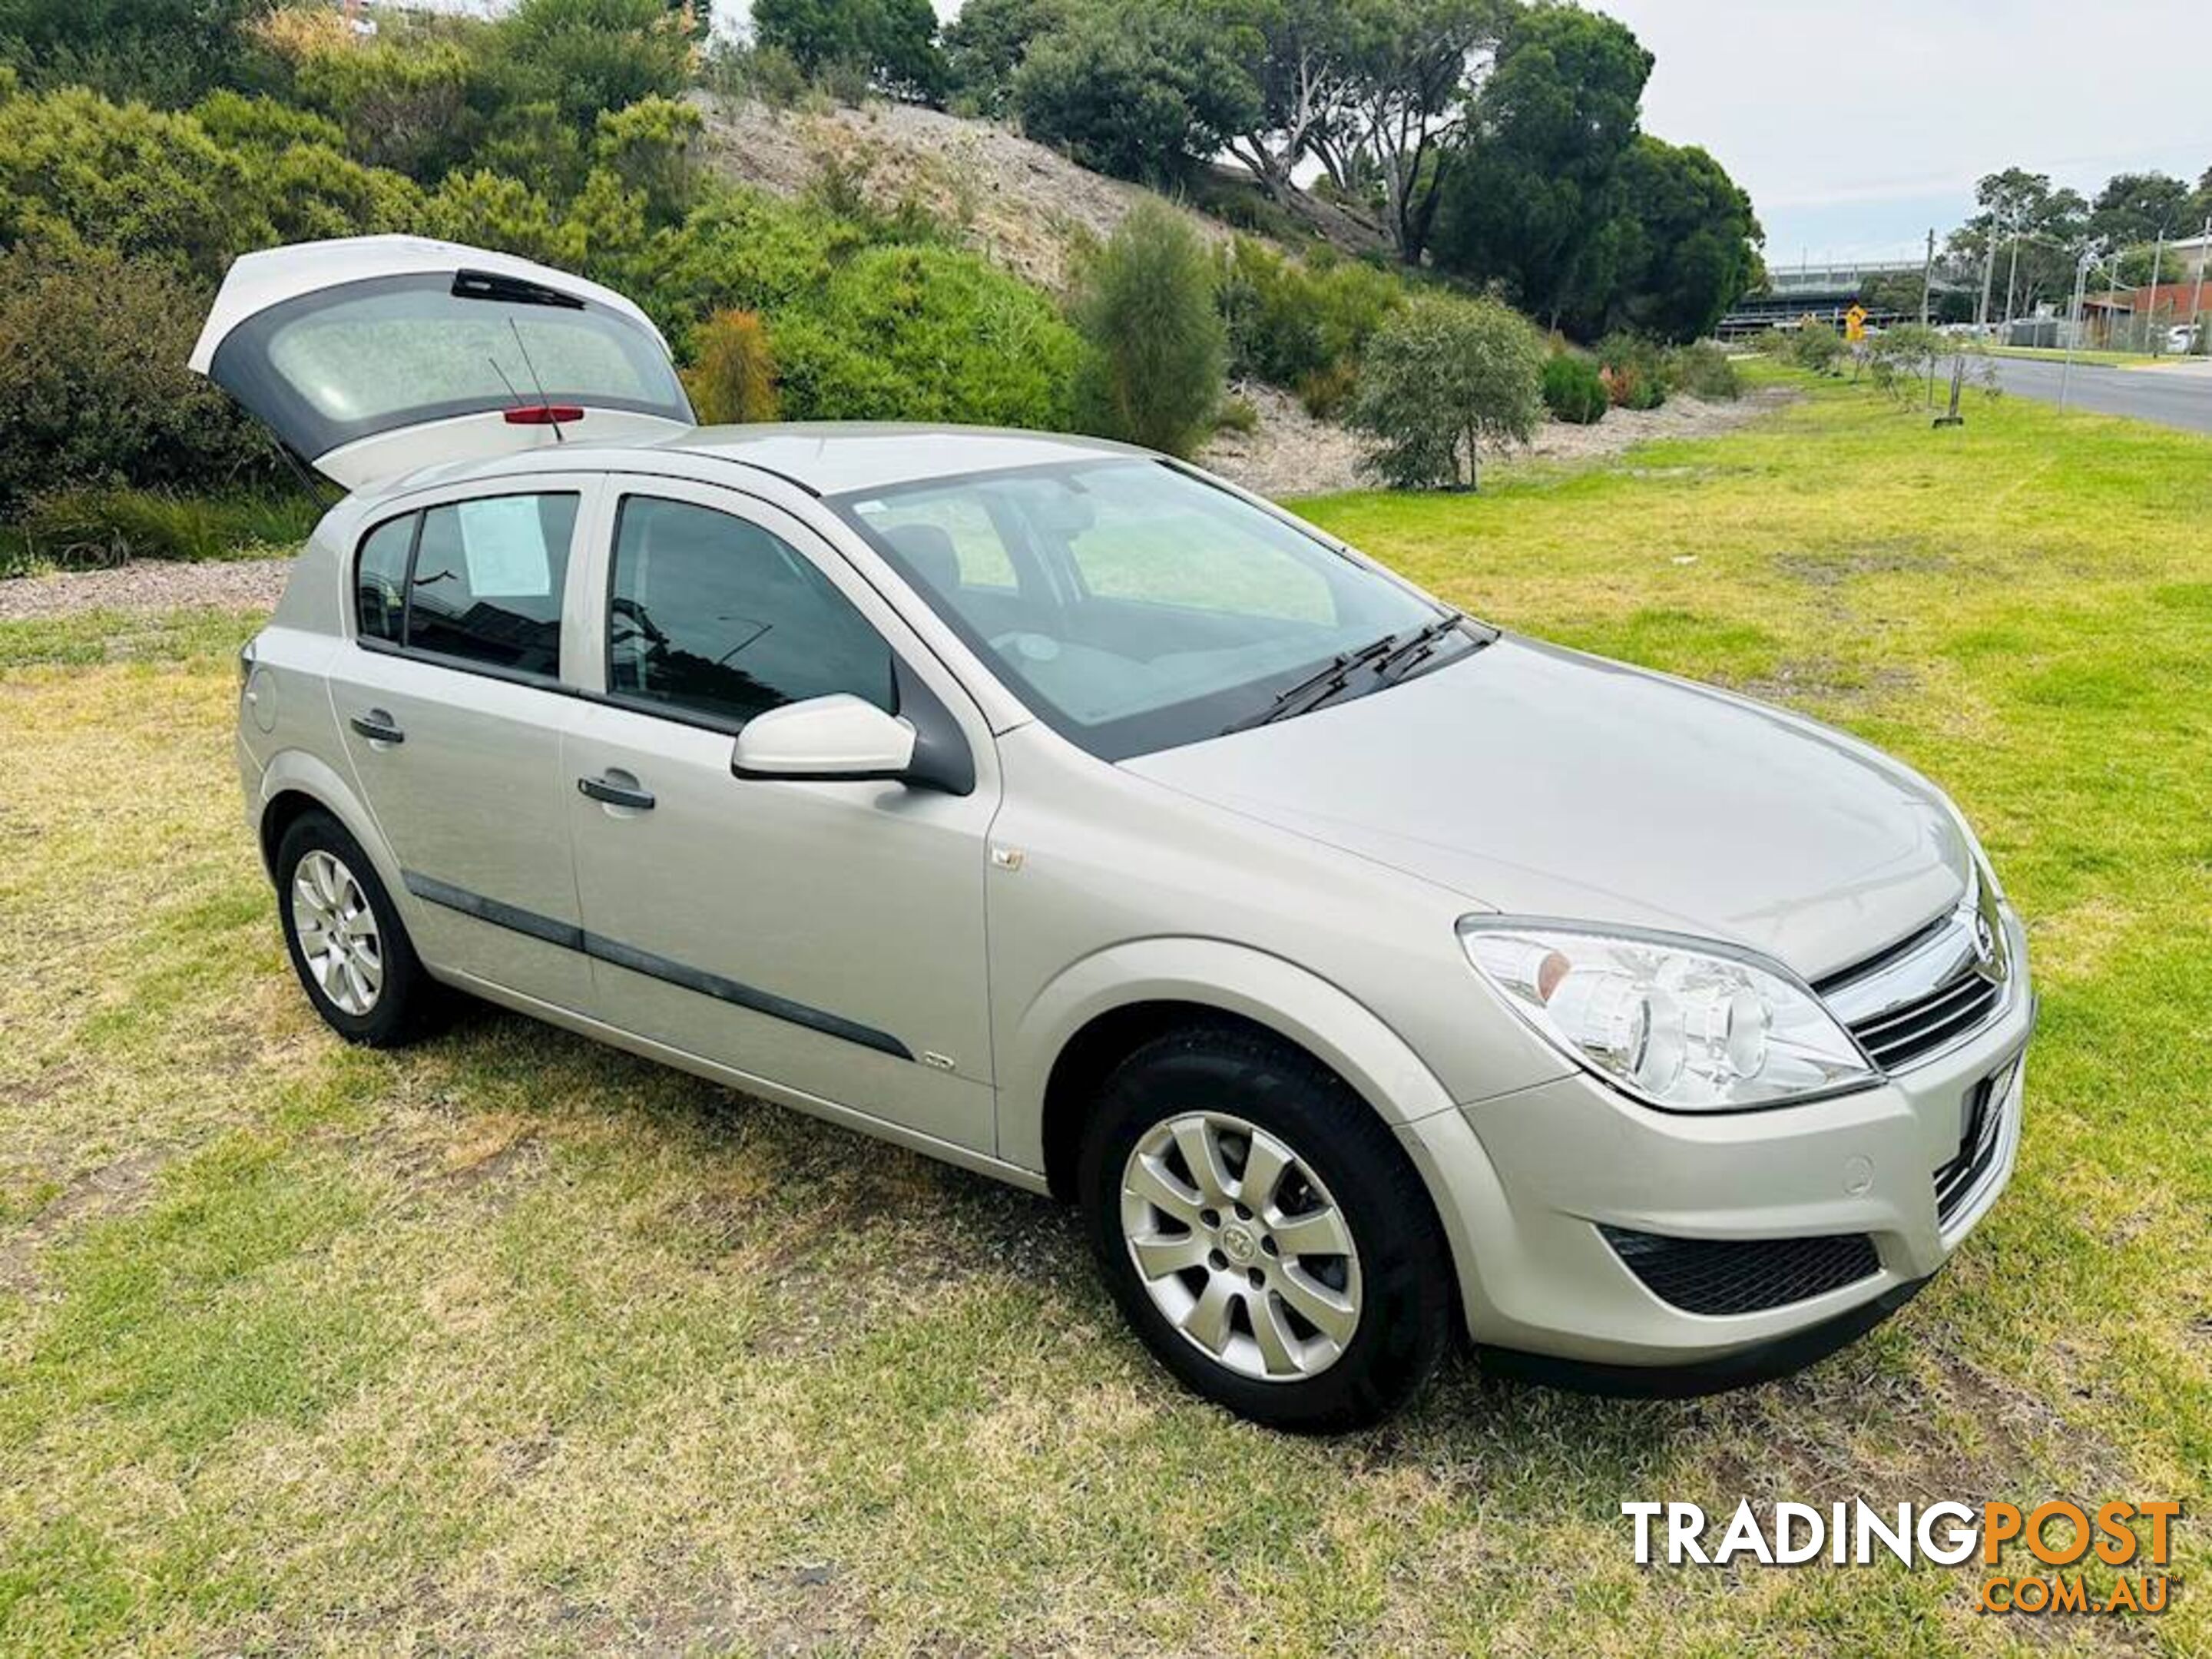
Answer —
345 938
1263 1231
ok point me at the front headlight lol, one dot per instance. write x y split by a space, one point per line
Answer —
1688 1027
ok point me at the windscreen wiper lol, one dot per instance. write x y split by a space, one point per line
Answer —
1416 648
1318 687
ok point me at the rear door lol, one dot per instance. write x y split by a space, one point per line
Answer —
453 698
373 356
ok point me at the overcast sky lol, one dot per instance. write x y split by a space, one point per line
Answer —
1857 124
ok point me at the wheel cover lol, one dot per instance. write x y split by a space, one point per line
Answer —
337 930
1241 1246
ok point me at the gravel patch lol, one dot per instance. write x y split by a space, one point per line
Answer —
145 585
1292 453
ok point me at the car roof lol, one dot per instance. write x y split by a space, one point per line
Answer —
825 458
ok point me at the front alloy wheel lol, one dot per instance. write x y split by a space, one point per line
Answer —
1240 1246
1262 1229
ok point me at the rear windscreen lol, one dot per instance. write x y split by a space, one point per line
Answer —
345 363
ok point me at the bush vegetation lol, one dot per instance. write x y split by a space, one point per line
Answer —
1573 391
83 529
1303 323
1702 370
1443 376
1145 302
732 374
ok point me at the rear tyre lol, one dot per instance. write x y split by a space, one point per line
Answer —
1263 1231
346 941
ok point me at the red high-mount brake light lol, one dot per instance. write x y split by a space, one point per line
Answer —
545 415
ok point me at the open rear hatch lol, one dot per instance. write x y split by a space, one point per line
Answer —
373 356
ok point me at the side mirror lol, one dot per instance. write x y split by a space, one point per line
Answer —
840 737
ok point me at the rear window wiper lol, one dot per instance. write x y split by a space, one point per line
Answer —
513 290
1318 687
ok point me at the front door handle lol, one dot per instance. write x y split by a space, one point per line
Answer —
377 727
629 794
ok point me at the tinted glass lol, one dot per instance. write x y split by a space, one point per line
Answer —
343 363
1133 606
487 581
380 579
714 615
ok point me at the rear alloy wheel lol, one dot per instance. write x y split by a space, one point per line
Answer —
1263 1230
337 930
346 941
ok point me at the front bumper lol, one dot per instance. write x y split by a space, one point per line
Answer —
1529 1179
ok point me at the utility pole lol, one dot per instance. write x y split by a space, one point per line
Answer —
2157 270
2196 307
1989 271
2011 274
2073 327
1927 281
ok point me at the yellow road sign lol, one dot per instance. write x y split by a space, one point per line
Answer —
1855 323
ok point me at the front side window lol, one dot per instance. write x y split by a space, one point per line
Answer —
711 615
479 581
1135 607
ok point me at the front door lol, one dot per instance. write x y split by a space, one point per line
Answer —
449 698
826 937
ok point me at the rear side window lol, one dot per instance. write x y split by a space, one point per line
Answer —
478 581
711 614
380 583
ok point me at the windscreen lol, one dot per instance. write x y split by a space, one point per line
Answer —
1133 606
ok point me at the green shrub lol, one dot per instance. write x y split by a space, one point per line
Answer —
94 390
1141 92
1442 376
80 529
652 147
1238 415
1634 370
1302 324
74 165
732 373
1702 370
926 334
1573 391
587 56
1145 302
403 105
166 51
1815 346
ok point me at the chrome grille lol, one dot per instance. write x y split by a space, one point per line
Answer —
1917 997
1949 1011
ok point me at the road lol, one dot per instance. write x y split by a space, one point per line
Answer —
2177 396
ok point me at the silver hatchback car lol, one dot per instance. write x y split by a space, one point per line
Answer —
1366 975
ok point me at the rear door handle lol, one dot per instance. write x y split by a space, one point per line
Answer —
637 800
377 727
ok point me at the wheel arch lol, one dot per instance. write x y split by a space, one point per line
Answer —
296 782
1104 1007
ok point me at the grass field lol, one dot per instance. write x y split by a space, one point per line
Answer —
510 1344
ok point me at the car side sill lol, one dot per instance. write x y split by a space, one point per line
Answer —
798 1100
